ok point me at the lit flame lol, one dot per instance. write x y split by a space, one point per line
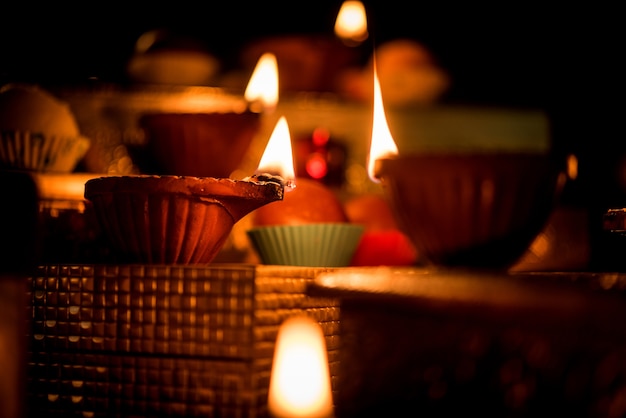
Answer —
277 158
263 84
382 144
351 23
300 379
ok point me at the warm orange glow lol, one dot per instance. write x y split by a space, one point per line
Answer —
382 143
300 380
572 166
351 23
263 84
277 158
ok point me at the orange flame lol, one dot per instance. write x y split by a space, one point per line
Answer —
351 23
263 84
382 143
277 158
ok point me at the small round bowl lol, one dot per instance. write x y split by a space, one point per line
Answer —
173 219
30 151
196 144
310 245
472 210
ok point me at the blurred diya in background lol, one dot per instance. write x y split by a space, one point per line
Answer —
469 209
408 72
39 131
197 144
204 142
472 210
314 62
165 57
309 226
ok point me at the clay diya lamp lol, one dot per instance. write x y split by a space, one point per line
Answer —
173 219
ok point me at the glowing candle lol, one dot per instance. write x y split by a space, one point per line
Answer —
300 380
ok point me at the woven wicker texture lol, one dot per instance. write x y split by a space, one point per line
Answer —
139 340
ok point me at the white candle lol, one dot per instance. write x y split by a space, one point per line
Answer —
300 380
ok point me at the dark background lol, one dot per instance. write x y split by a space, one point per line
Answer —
525 53
556 56
561 57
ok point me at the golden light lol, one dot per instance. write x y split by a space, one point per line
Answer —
351 23
263 84
382 143
277 158
300 379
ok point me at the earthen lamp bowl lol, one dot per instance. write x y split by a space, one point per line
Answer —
471 210
211 144
173 219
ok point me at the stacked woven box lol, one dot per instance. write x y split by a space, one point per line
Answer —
145 340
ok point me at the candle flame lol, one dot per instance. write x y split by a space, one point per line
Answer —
351 23
277 158
263 84
300 379
382 143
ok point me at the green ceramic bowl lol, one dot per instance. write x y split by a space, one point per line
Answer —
310 245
